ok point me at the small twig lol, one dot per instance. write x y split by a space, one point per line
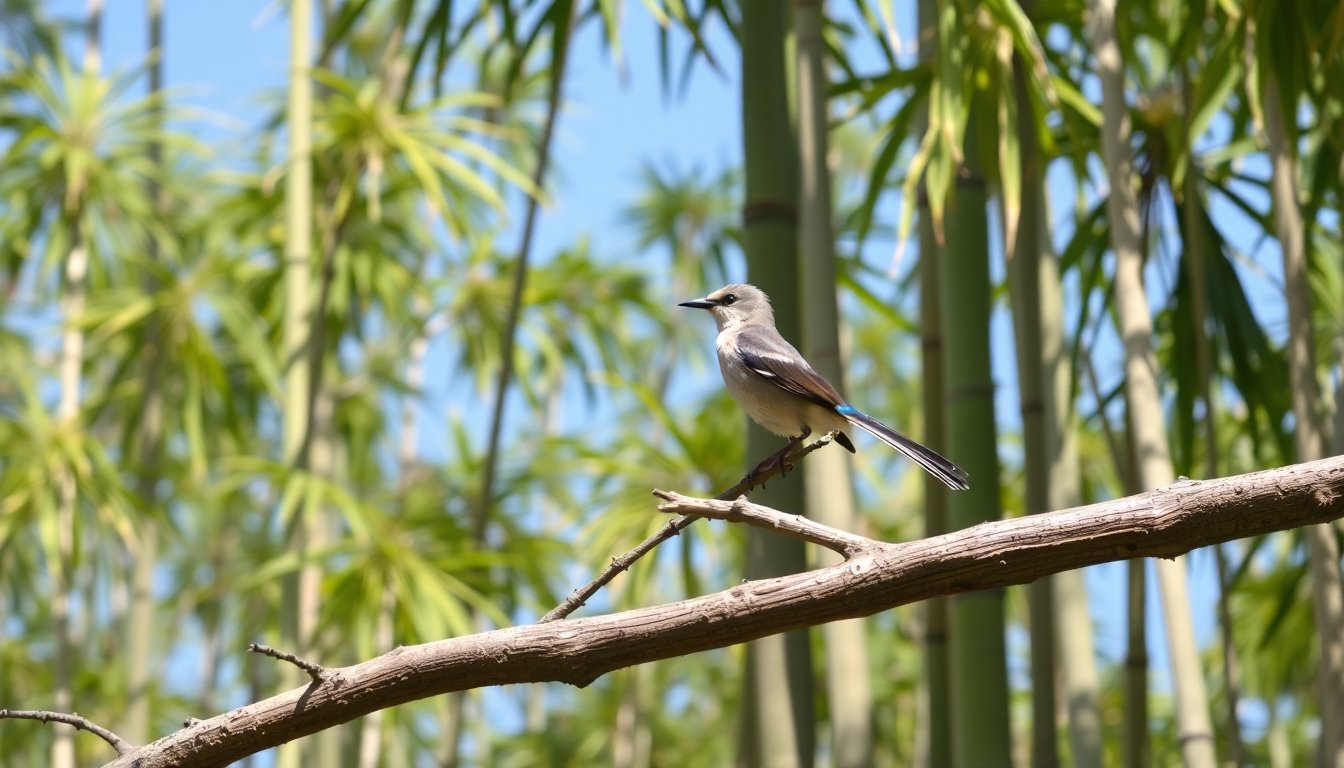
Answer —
580 596
757 476
315 671
742 511
760 473
121 745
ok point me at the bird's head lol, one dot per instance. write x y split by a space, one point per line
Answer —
735 304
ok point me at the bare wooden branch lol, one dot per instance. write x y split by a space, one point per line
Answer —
764 471
121 745
742 511
316 671
1161 523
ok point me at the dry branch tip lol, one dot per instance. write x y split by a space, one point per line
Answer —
73 719
315 671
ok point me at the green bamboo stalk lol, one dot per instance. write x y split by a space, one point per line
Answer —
829 494
1134 741
297 620
297 321
1034 377
1073 640
777 718
1141 388
935 728
980 726
1061 625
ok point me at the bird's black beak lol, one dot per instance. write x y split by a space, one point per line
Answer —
699 304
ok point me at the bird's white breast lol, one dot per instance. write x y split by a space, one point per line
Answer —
775 409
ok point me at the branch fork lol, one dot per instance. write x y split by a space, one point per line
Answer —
740 510
777 465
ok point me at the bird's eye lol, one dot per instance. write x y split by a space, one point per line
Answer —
729 299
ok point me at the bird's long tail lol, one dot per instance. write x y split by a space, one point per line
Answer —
950 474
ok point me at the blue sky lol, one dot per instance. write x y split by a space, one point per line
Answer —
231 57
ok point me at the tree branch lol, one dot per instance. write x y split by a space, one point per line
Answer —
756 477
316 671
742 511
122 746
1161 523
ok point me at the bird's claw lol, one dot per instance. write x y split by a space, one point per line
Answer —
780 461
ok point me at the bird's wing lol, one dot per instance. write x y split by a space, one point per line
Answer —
772 358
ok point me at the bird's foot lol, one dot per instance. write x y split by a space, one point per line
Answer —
779 460
776 462
766 468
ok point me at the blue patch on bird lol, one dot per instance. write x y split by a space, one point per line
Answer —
845 409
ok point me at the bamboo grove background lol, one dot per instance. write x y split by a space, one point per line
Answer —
212 410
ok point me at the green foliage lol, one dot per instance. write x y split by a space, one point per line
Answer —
427 127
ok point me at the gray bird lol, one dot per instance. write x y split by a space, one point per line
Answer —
781 392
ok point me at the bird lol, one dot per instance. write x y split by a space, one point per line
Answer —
779 390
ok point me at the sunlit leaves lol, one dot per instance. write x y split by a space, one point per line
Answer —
76 157
438 144
693 217
971 73
575 316
39 454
